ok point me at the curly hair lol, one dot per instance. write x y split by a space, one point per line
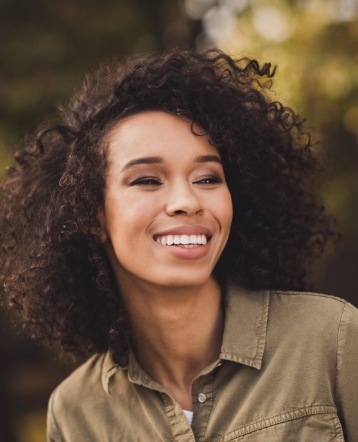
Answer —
54 268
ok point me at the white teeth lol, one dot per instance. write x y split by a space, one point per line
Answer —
193 239
188 240
184 239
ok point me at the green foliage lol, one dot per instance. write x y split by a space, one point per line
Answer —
47 46
315 45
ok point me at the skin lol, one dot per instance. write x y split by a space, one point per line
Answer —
164 180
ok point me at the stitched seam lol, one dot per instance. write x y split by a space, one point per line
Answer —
261 328
337 430
316 295
280 418
233 357
212 401
170 407
339 337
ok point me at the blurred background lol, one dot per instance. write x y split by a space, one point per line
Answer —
47 46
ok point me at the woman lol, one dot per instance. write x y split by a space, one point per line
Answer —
165 225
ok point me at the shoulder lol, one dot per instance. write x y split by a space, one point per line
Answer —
71 403
310 331
85 381
311 314
308 297
308 303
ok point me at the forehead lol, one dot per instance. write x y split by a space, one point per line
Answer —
157 133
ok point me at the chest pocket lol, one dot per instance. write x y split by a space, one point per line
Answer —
314 423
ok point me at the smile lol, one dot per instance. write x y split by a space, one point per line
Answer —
182 240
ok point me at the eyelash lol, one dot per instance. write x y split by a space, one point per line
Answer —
146 181
212 179
151 181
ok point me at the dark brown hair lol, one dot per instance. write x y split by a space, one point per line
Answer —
53 268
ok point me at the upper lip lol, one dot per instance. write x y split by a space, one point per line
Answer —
193 229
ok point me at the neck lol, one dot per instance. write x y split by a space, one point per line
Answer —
176 333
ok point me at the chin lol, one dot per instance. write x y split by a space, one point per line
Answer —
179 281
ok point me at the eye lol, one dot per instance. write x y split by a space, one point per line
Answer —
211 179
146 181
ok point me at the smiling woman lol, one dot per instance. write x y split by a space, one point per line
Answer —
175 178
165 228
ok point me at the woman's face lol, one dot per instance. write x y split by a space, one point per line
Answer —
168 210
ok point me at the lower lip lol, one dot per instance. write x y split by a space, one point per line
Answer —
187 252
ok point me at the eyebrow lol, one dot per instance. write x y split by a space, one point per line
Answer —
208 159
142 160
157 160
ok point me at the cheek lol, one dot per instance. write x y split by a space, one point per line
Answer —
126 218
115 213
225 210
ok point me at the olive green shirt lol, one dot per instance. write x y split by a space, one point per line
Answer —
287 371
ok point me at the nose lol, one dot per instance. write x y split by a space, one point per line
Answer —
182 199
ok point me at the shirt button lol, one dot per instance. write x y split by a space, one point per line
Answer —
201 398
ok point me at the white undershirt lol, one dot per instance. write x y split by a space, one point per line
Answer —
189 415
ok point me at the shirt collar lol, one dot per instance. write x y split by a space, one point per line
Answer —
246 316
109 368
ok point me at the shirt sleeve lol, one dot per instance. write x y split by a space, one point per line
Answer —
347 372
53 432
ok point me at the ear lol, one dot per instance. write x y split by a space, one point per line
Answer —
101 231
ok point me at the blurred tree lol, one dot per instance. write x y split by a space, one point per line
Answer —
47 46
315 45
